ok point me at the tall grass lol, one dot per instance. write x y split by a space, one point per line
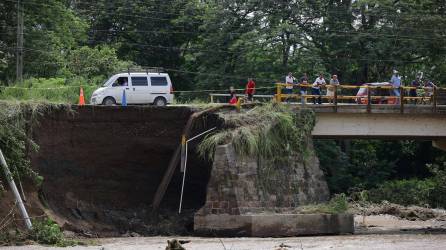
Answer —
269 132
54 90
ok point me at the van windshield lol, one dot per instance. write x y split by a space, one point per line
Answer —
105 83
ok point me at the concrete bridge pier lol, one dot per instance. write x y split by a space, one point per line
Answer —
251 197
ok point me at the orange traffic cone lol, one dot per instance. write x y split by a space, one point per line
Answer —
81 98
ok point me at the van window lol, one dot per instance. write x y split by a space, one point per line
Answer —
158 81
139 81
121 81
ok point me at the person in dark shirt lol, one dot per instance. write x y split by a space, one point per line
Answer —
302 89
413 92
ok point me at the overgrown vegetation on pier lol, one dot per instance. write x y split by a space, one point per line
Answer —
271 131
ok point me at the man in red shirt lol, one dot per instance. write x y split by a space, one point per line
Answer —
250 89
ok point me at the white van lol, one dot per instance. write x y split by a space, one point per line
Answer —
140 88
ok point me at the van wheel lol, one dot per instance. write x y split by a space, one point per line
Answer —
108 101
160 102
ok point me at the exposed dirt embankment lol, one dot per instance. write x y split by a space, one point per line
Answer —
102 166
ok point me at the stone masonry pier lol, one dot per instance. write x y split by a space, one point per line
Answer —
245 198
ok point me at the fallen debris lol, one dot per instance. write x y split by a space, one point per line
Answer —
283 247
411 213
176 244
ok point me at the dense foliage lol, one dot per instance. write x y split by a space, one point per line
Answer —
15 127
207 44
402 172
215 44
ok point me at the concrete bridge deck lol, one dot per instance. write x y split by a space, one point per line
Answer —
380 122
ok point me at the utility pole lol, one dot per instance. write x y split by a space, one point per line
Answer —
19 49
15 191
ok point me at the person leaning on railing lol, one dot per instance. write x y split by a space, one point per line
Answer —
316 89
289 81
428 89
302 82
413 91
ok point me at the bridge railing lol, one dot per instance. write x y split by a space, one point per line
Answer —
348 94
214 96
430 95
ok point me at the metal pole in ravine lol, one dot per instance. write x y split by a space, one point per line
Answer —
13 187
184 162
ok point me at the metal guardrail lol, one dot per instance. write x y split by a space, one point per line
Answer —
399 100
212 96
430 97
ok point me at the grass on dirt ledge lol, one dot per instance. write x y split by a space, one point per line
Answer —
262 132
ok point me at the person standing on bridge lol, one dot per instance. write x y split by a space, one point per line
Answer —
316 89
331 88
250 89
289 81
303 82
413 92
396 83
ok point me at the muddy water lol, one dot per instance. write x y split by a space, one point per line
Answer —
362 242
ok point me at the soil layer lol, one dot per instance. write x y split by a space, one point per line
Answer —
102 166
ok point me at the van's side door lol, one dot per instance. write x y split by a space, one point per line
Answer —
159 86
140 91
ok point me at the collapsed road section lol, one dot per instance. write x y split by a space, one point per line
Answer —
112 171
102 166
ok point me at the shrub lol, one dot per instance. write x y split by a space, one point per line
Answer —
46 232
404 192
438 194
337 205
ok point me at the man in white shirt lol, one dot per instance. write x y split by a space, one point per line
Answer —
396 83
289 80
316 88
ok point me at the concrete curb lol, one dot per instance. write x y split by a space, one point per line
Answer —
273 225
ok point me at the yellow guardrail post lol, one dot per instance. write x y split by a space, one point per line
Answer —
401 100
239 104
369 100
278 93
434 100
183 153
335 100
